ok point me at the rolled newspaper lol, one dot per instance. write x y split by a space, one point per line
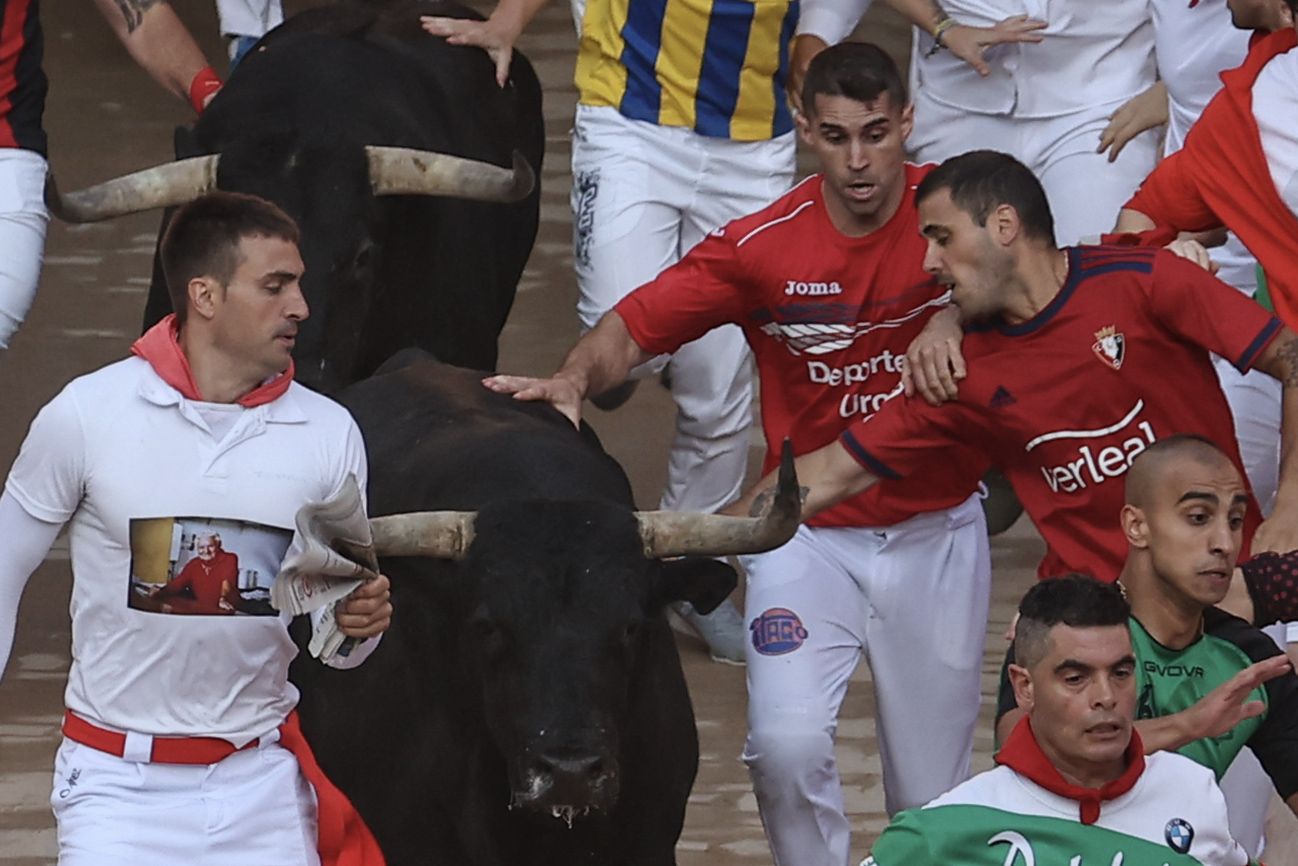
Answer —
316 573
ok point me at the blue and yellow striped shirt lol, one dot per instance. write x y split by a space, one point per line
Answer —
718 67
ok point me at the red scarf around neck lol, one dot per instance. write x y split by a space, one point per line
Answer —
1022 754
160 346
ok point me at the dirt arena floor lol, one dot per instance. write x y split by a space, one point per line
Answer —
106 118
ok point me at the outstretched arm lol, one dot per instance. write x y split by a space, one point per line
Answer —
158 41
827 476
600 360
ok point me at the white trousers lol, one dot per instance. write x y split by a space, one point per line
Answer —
642 196
1084 189
22 235
253 807
913 599
249 17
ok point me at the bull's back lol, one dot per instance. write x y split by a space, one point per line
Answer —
438 439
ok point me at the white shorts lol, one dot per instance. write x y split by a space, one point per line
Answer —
912 598
23 219
642 196
254 807
1084 189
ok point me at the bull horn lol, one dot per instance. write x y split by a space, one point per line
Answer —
672 533
166 185
405 171
439 534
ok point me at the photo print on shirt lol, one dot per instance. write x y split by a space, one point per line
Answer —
202 566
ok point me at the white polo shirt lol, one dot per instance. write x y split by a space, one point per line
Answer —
1092 54
145 482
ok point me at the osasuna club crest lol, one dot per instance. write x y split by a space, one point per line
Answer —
1110 346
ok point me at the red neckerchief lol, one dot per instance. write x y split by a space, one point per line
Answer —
160 346
1022 754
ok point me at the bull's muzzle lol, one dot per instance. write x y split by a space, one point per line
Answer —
568 784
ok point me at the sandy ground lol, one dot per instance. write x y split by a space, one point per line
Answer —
105 118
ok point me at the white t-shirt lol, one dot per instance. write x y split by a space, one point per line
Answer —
1093 54
1275 107
176 534
1194 45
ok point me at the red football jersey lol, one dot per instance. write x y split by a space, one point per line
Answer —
828 318
1065 401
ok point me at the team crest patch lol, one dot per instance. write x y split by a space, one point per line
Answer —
1179 835
1110 346
777 631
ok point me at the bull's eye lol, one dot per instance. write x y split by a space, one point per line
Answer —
630 633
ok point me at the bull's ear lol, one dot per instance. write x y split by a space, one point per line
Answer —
185 143
701 581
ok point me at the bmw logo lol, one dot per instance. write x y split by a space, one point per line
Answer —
1179 834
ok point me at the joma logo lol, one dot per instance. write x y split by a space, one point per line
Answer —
800 287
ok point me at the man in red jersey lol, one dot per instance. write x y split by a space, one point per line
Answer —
1078 360
1239 165
829 288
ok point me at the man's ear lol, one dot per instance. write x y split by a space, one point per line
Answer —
907 121
1021 682
1004 224
803 121
204 296
701 581
1134 526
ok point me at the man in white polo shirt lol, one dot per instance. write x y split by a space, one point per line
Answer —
179 739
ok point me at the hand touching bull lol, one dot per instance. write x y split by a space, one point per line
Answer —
496 35
602 359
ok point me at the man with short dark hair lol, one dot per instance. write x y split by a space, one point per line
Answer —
190 717
1074 784
1209 683
1067 353
828 286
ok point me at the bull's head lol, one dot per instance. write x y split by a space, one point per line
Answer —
328 190
564 613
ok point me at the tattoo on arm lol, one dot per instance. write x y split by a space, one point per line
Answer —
133 11
764 501
1288 353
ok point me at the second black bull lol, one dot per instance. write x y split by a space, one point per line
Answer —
410 172
529 674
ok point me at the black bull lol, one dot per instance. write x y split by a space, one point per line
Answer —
531 681
392 259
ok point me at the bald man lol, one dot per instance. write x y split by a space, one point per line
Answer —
1209 683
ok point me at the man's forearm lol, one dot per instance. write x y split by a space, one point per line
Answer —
1133 221
1280 360
517 14
603 357
826 477
157 40
924 14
